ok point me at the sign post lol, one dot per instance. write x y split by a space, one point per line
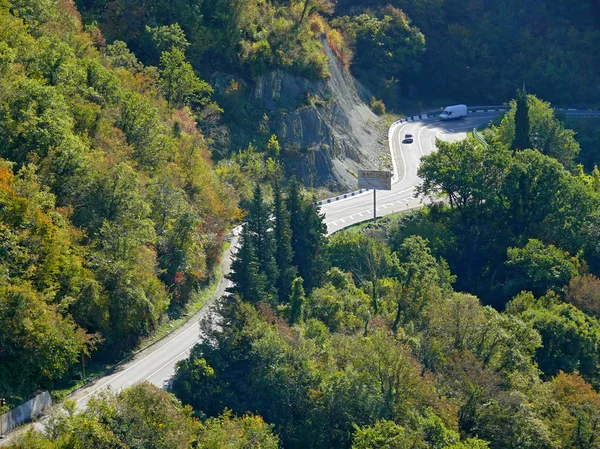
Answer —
376 180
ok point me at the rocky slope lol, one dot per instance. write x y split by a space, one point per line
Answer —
325 128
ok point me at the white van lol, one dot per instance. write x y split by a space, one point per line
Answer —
454 112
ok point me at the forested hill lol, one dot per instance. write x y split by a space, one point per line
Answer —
110 211
476 50
480 50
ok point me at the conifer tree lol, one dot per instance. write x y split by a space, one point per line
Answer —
248 281
283 246
297 299
308 236
521 140
259 223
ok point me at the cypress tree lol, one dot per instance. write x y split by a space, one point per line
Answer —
314 240
283 246
248 281
296 301
259 224
308 236
521 140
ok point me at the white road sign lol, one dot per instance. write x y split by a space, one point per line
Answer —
374 179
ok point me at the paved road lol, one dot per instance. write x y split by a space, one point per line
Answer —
157 363
343 213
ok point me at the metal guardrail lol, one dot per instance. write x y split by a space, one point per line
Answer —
436 113
480 138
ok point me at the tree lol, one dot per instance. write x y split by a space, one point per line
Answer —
308 236
263 242
584 293
166 38
179 83
539 268
466 173
142 416
383 435
366 257
226 431
545 132
248 281
297 300
284 255
521 140
422 279
571 339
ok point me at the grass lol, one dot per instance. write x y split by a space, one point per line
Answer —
389 118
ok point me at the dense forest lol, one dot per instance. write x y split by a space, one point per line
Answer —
111 213
407 52
373 338
130 145
477 50
390 348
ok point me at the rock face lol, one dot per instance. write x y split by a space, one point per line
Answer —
326 125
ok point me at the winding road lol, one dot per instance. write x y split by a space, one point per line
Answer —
156 364
406 157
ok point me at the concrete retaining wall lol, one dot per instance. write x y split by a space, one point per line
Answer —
25 412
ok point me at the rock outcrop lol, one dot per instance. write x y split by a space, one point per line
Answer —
326 125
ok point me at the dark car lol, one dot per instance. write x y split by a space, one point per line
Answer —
408 138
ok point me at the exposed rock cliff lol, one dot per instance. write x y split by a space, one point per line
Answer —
326 125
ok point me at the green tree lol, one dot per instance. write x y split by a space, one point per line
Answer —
521 140
248 431
308 236
284 255
248 281
179 83
142 416
297 300
571 339
383 435
166 38
539 268
422 279
466 173
546 133
263 241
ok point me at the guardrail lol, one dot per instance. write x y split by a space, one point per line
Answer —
479 137
436 113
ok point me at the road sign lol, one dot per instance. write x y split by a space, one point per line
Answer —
374 179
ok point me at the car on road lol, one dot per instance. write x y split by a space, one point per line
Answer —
408 138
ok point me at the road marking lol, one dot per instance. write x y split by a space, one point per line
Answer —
174 358
99 387
401 154
360 213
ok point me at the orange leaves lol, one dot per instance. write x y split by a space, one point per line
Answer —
573 390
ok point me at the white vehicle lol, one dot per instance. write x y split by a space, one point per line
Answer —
454 112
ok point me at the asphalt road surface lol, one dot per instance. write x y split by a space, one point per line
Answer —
157 363
406 156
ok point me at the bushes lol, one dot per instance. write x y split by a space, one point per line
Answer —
377 106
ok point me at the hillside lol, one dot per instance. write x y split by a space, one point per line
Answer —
138 138
329 139
111 213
